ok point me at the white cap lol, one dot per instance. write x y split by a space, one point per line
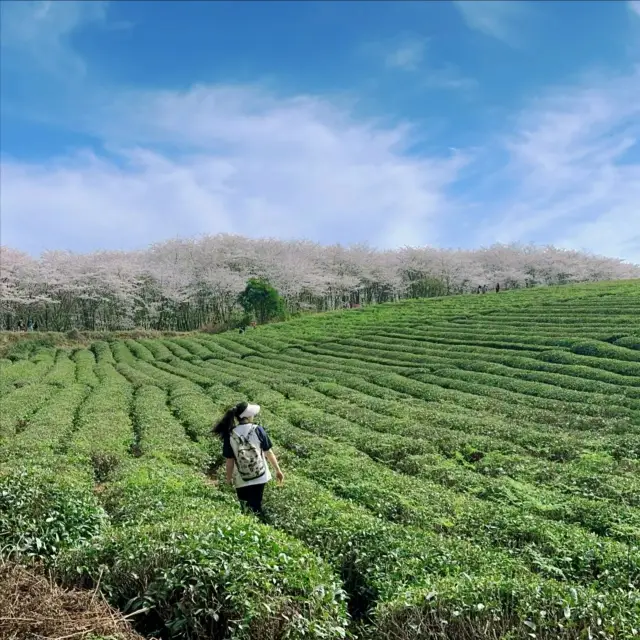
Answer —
251 411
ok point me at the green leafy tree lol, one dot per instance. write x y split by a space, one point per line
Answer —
262 300
427 288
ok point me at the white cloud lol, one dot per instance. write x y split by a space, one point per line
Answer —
38 32
240 159
574 161
447 77
501 19
634 5
410 53
406 55
234 159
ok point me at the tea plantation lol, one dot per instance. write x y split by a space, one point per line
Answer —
460 468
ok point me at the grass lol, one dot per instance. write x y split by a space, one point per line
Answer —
464 467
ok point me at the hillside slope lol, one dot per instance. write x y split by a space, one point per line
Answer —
463 467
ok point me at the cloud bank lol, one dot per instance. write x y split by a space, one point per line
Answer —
41 32
230 159
499 19
242 159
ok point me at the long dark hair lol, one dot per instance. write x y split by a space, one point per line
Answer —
226 423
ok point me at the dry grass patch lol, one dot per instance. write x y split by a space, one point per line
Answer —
34 607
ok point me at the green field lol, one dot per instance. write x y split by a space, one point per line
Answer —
462 467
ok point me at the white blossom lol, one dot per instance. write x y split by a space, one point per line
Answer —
185 284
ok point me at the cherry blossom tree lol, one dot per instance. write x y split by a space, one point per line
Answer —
185 284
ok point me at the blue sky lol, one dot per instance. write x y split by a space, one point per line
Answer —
455 124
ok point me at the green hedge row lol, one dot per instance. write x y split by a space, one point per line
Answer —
19 405
623 487
139 350
462 359
446 415
63 371
200 568
157 349
193 347
179 351
46 507
49 427
85 367
102 352
103 429
417 501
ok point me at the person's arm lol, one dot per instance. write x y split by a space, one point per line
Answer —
268 453
227 452
273 461
229 469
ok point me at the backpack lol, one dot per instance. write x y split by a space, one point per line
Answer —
249 459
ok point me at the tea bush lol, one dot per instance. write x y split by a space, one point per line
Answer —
465 467
44 512
202 568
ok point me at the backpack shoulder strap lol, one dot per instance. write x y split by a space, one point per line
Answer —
244 438
252 429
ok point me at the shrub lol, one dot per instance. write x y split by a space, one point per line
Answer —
21 404
85 362
628 342
49 426
44 512
63 371
204 571
468 467
603 350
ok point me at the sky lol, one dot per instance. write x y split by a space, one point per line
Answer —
451 124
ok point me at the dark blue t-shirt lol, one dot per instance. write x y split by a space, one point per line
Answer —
265 442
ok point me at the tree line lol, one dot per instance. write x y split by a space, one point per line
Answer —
187 284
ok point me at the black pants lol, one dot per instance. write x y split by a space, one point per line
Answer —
251 497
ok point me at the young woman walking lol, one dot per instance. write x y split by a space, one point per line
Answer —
247 447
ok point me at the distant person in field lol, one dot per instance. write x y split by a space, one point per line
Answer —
247 447
479 289
498 288
484 288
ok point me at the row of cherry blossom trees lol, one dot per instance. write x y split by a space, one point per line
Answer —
187 284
